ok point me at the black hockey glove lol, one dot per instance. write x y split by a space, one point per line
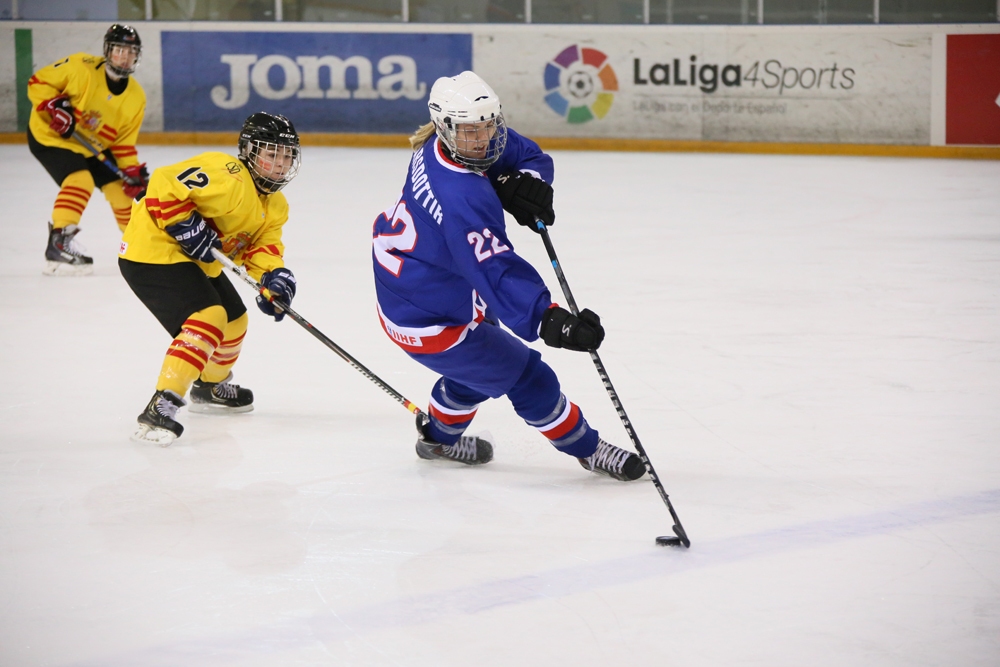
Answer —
281 284
561 328
526 198
196 238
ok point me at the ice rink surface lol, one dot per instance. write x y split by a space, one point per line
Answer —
809 348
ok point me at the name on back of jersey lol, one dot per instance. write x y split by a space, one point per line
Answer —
421 185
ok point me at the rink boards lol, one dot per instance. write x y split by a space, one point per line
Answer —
922 85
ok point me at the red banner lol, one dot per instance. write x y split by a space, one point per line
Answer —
973 113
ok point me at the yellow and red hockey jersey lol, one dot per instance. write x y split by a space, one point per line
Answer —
221 189
106 120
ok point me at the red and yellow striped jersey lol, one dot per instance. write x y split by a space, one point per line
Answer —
106 120
221 189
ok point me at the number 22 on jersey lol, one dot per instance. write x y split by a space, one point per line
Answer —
393 231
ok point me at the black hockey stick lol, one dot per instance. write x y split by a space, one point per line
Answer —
681 536
242 274
105 161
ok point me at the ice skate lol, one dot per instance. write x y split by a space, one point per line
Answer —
64 255
156 423
614 462
469 450
220 397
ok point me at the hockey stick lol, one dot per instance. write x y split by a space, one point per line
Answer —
105 161
682 538
242 274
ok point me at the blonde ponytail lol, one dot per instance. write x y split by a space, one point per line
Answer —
423 133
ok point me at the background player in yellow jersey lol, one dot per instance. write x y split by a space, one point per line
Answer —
96 98
213 200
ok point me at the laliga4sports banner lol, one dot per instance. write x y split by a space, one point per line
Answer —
847 86
323 82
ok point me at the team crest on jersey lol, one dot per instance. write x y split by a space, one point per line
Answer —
233 246
91 120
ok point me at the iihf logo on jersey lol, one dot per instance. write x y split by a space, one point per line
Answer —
580 84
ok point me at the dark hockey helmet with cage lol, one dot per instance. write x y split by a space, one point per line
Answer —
269 147
120 35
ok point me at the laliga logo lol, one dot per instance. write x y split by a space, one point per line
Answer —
579 84
301 79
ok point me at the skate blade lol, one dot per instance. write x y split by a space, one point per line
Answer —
213 409
156 436
64 269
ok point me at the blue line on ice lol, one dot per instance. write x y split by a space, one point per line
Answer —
557 583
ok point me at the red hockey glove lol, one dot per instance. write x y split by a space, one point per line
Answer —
136 180
61 110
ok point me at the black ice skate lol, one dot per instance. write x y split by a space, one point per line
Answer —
156 423
64 256
220 397
469 449
614 462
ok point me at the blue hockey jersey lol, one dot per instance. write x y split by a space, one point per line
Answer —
441 254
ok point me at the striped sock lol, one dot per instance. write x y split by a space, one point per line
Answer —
449 417
567 430
72 199
191 350
221 362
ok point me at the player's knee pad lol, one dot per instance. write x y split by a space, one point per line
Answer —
74 193
536 393
121 203
208 323
225 355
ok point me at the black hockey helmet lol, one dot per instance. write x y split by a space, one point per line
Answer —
120 35
269 147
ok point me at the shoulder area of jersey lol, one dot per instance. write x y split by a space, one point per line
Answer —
216 159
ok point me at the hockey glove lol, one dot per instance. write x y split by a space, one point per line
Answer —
281 284
196 238
136 180
561 328
526 198
61 110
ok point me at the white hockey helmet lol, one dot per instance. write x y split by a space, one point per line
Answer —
466 113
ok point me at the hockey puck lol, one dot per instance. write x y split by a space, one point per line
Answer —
669 541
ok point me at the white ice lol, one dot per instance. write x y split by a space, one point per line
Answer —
809 348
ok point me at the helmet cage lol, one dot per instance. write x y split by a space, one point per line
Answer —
454 135
125 37
256 154
462 107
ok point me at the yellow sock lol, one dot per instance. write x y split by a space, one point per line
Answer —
74 193
121 203
190 351
221 363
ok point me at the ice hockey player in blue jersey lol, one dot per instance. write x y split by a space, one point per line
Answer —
446 273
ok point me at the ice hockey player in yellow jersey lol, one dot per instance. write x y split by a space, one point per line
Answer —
97 99
213 200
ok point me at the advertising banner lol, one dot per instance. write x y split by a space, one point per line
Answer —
322 81
715 85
